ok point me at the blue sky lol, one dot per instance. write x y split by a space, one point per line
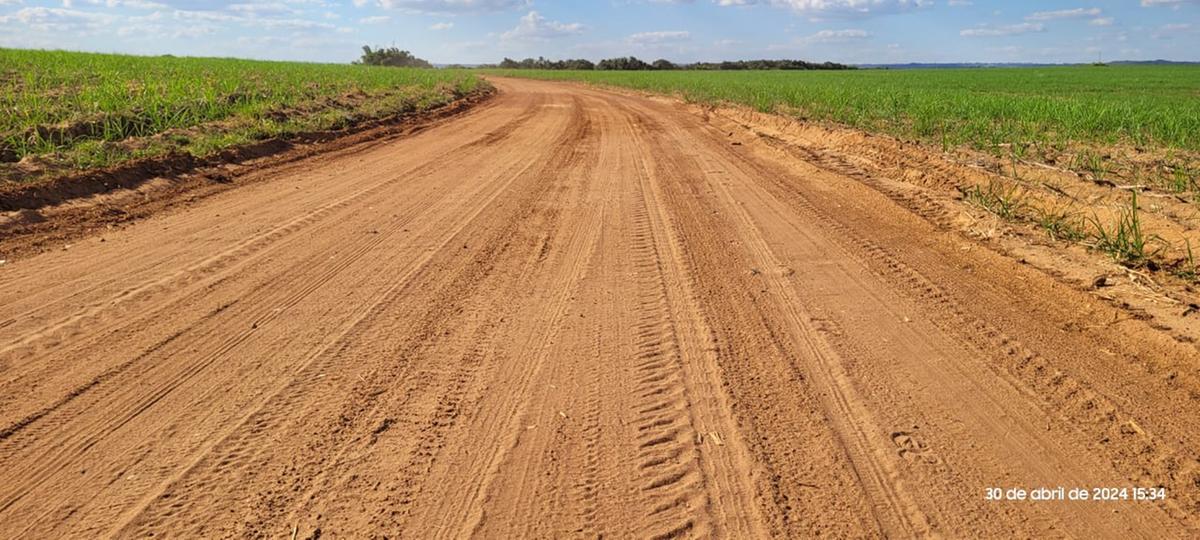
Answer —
475 31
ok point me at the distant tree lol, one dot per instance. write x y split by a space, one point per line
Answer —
763 65
628 63
543 63
663 64
390 57
579 64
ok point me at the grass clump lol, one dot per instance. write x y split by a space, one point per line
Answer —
1059 222
1006 201
1012 203
1186 268
1125 240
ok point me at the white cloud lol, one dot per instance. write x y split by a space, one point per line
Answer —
291 24
209 16
58 20
1063 14
213 5
1169 3
1002 30
646 38
136 4
836 36
264 9
441 26
452 6
151 27
534 27
835 8
1101 21
1169 31
377 19
139 4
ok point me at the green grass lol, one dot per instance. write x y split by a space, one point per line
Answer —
1059 223
1150 106
1125 240
79 110
1006 201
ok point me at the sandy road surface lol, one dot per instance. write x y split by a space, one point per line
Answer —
571 313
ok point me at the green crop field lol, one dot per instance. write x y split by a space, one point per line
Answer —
79 110
1147 106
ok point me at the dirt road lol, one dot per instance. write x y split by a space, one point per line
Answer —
572 313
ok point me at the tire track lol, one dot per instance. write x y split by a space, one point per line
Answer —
860 432
230 260
721 457
449 382
460 509
985 339
135 403
87 436
587 487
671 481
1056 394
435 382
894 509
247 249
127 310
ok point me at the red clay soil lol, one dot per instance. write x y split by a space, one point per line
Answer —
573 313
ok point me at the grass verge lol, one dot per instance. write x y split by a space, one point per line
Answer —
65 111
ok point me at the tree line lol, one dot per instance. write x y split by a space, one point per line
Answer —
631 63
397 58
